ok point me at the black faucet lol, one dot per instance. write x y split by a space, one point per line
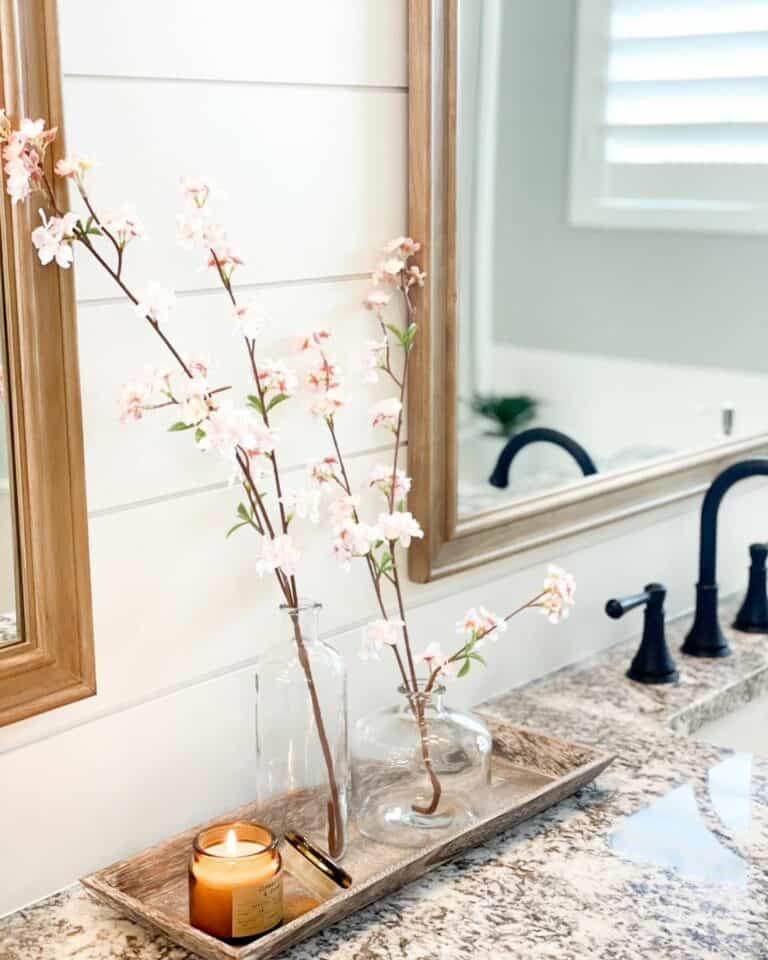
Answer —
753 613
652 663
705 638
500 475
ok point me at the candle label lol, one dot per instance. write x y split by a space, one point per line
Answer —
257 909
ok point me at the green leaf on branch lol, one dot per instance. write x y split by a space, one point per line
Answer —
397 333
275 400
408 336
237 526
179 426
476 656
385 563
244 513
253 401
199 434
464 669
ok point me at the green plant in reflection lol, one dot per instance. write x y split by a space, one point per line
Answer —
508 414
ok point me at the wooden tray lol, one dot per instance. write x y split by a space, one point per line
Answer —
531 772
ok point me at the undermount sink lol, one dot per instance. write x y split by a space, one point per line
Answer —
744 729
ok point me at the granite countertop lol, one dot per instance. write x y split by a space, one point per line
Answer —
665 855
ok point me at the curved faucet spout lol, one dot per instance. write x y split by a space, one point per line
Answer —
705 638
500 475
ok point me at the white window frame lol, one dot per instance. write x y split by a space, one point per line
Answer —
588 205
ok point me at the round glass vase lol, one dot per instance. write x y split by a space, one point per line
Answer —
421 770
301 733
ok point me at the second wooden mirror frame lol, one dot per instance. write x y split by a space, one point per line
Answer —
53 663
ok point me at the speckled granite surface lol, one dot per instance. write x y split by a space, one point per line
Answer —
666 855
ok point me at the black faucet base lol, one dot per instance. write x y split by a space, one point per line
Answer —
753 613
705 638
750 627
640 677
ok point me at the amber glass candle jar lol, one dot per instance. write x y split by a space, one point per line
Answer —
235 881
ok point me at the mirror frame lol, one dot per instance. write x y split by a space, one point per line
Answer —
452 543
53 663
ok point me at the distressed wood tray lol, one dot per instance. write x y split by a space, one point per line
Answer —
531 772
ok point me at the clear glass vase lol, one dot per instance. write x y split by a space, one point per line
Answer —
421 770
301 733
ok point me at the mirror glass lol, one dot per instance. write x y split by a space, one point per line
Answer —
8 552
612 228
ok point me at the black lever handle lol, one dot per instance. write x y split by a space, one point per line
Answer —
753 614
652 662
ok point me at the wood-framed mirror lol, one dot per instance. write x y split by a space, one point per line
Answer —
594 224
46 648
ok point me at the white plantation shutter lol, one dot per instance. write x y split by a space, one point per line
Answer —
670 115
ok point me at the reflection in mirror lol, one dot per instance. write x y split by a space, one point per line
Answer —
612 212
8 630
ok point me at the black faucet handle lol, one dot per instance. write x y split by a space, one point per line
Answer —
653 595
753 613
652 662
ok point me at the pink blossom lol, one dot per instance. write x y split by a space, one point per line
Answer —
133 400
388 271
328 404
354 540
376 299
31 129
194 401
23 154
196 191
325 376
477 623
190 229
221 255
386 413
381 478
156 303
323 472
435 659
304 504
278 554
560 588
400 526
415 277
313 339
198 366
275 377
74 166
249 320
378 634
53 240
227 430
377 359
405 246
342 508
124 224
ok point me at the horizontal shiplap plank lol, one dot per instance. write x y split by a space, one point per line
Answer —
313 180
127 463
294 41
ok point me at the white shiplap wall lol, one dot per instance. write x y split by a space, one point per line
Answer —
299 108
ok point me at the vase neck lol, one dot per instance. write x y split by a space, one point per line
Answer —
430 701
304 618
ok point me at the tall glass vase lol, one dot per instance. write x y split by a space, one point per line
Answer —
301 733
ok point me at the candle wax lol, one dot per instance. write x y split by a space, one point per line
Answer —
238 848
